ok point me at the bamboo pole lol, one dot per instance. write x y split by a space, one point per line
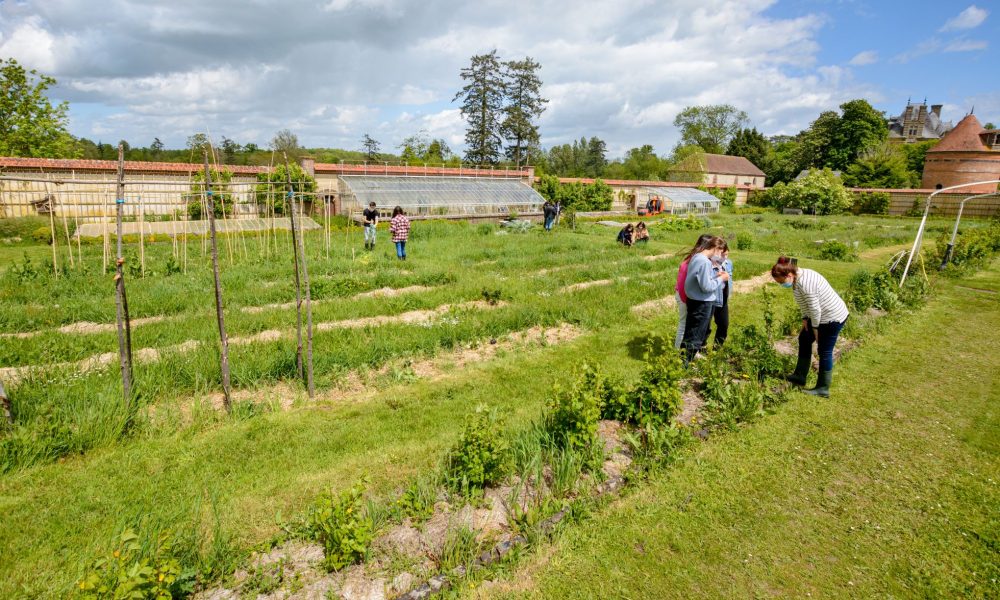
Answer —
107 242
301 253
52 228
290 207
121 302
142 237
224 356
65 221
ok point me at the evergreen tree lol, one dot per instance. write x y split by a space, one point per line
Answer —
881 166
524 105
595 159
482 107
370 147
156 147
750 144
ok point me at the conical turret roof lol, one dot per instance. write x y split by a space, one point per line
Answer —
964 137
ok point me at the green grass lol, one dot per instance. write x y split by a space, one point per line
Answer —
888 489
80 469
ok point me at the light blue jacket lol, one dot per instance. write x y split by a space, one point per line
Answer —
727 287
701 282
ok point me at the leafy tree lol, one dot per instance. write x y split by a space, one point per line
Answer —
524 105
710 127
198 143
284 141
783 162
413 150
222 197
250 148
272 188
640 163
880 166
125 145
916 154
156 147
750 144
370 147
29 124
989 125
482 107
860 127
816 143
437 151
689 164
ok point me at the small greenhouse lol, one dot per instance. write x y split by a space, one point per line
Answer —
440 195
684 201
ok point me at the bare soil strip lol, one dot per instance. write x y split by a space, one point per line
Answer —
386 292
13 375
584 285
87 327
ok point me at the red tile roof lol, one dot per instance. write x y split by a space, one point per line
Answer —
645 183
72 164
723 164
963 138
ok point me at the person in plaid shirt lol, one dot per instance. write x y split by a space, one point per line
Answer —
399 227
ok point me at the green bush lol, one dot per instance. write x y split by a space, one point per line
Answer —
222 198
744 241
726 195
752 355
342 526
481 457
973 247
272 189
42 235
871 203
584 197
688 223
21 227
839 251
657 397
866 289
572 414
820 192
126 573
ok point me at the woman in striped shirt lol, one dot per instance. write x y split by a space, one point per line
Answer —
823 316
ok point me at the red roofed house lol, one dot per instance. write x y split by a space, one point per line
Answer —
966 154
718 168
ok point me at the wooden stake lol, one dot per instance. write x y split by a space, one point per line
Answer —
142 237
65 220
300 252
52 229
121 302
224 356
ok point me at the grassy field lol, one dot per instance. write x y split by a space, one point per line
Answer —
78 468
889 489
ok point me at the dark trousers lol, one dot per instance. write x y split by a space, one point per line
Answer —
721 317
827 338
699 319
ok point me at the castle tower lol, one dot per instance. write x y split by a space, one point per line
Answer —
966 154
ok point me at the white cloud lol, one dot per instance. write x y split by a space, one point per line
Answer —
970 18
964 45
866 57
334 69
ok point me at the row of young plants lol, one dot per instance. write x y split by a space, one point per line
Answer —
558 457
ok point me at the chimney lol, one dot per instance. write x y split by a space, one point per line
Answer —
308 165
936 109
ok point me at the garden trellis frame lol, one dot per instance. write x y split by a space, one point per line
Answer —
918 240
958 219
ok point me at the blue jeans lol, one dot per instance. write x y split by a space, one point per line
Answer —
370 234
401 249
549 219
827 333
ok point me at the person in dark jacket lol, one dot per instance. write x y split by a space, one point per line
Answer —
625 236
550 211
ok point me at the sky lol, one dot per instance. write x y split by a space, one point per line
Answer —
334 70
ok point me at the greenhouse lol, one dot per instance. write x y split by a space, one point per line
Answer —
440 195
683 201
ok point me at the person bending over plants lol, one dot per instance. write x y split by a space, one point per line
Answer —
625 235
399 227
702 286
823 316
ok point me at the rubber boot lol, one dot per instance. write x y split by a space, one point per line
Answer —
798 377
822 385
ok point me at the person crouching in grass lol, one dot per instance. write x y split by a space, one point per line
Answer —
701 286
399 227
823 316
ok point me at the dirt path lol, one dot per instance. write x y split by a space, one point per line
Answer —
385 292
742 286
14 375
88 327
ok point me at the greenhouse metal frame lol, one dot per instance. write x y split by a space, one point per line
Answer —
685 201
439 195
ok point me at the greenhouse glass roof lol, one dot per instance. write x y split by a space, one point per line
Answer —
681 196
458 194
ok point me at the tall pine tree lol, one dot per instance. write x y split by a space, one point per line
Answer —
482 107
524 105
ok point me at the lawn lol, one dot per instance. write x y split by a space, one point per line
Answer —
79 468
